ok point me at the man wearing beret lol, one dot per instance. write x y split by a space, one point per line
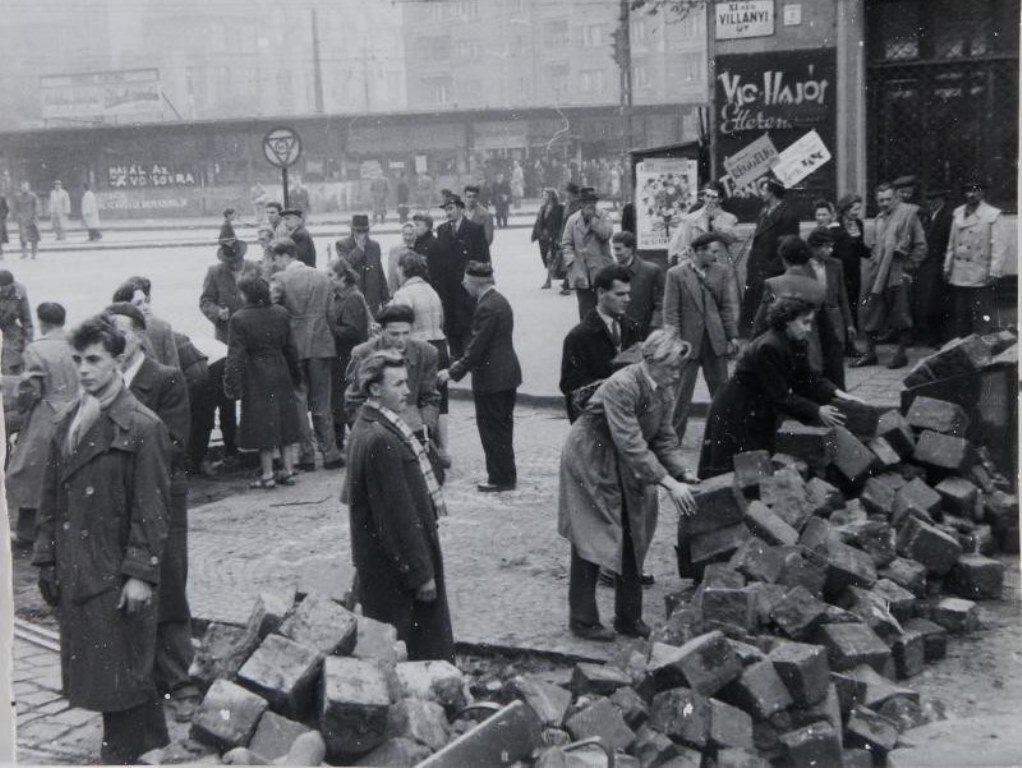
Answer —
294 221
976 252
496 375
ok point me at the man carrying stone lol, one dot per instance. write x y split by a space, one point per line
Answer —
394 500
107 482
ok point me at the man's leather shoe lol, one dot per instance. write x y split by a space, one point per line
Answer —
494 488
306 466
633 629
647 580
899 361
334 463
864 361
597 632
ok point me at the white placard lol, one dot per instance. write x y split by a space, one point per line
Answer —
744 18
751 161
800 159
665 189
793 15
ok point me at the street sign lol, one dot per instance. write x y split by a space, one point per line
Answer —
751 161
800 159
282 147
744 18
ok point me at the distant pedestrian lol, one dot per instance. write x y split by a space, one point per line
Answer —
60 209
502 196
496 375
709 217
299 198
401 197
517 184
459 242
776 219
647 295
108 483
263 371
227 233
976 253
394 500
851 250
259 197
363 255
428 246
90 214
931 299
396 252
4 213
585 248
379 189
15 324
350 322
547 231
26 214
275 219
294 223
477 212
836 326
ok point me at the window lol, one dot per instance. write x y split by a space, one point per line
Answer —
592 35
638 31
436 46
559 77
468 49
468 8
640 77
470 90
436 90
591 81
436 11
692 67
559 34
517 7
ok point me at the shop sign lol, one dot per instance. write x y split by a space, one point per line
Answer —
751 161
745 18
802 158
138 175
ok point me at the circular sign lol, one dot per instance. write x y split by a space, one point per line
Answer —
282 147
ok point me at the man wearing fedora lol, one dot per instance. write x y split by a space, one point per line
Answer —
363 254
459 242
294 222
930 313
496 375
585 248
976 252
219 299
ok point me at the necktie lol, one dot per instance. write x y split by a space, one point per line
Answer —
615 334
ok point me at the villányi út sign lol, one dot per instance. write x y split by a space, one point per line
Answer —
745 18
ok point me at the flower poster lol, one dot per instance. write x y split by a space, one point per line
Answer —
665 189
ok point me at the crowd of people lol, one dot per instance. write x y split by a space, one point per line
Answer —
350 366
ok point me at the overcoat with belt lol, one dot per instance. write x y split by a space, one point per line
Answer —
612 460
102 520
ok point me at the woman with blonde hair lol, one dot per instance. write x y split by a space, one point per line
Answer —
617 456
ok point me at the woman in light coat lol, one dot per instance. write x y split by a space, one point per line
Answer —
617 455
90 213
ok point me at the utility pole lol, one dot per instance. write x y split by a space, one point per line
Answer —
711 85
317 64
623 57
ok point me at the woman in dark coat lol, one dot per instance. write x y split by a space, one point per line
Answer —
350 322
850 249
547 230
262 369
772 381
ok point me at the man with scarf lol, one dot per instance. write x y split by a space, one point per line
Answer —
394 501
102 524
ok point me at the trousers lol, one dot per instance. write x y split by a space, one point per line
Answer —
207 399
314 397
975 310
586 301
583 576
714 369
495 412
130 733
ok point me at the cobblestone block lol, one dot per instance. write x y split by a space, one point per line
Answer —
601 719
718 544
708 663
758 561
438 681
956 615
353 707
861 419
396 753
681 714
653 748
787 461
803 568
740 758
729 608
729 726
977 577
917 499
827 709
823 497
751 468
850 690
813 746
814 445
869 730
682 625
321 623
798 613
944 452
934 549
874 537
633 707
906 573
854 462
909 650
934 637
893 428
221 653
785 493
284 673
902 603
597 679
722 576
873 610
227 716
375 640
803 669
680 597
550 702
961 355
270 611
938 415
765 597
770 527
851 645
848 566
887 457
421 721
959 496
818 535
274 736
759 690
719 504
986 542
879 689
878 497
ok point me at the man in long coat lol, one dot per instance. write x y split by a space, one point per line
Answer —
363 254
294 222
459 242
838 329
394 501
775 220
107 483
930 297
163 391
220 299
585 248
49 382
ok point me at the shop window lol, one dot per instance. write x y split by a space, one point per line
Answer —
640 77
591 81
559 34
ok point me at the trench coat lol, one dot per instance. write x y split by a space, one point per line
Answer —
395 544
90 210
16 326
368 266
614 456
220 291
763 259
50 382
103 519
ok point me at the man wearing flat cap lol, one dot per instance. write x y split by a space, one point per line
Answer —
294 222
930 298
976 252
496 375
363 254
459 242
586 249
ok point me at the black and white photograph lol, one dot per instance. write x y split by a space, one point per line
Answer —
510 383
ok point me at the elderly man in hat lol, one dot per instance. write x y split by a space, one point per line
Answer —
496 375
586 249
363 254
294 223
776 220
976 253
459 241
930 311
220 299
